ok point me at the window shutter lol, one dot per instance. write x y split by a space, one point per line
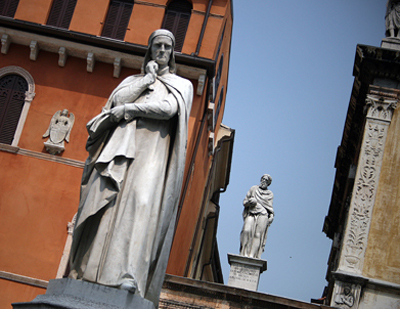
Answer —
69 9
12 99
219 72
176 20
61 13
221 98
117 20
8 7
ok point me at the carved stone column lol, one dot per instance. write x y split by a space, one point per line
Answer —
348 278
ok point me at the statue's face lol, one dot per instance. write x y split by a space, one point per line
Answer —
161 50
264 183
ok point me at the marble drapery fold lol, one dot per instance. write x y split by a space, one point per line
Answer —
131 185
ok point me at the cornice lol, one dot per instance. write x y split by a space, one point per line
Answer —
43 37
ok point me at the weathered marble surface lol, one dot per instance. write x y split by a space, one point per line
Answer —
245 272
392 18
258 215
132 179
59 130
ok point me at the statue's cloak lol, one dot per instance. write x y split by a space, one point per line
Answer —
264 207
112 150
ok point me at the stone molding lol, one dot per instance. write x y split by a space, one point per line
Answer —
24 279
62 267
91 54
380 104
41 156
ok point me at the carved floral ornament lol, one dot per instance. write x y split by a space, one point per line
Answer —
380 112
380 108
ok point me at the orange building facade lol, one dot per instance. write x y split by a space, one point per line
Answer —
71 54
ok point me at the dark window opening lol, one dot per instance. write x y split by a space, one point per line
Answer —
61 13
8 7
117 20
219 72
12 99
176 20
221 98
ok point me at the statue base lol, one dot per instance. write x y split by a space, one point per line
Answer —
75 294
391 43
245 271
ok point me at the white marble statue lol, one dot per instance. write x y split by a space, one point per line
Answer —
132 178
258 214
59 130
392 18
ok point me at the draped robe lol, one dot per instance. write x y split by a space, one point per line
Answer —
261 211
131 185
392 16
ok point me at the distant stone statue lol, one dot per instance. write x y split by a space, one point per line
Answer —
258 214
132 178
392 18
59 130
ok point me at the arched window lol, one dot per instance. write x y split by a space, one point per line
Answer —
117 20
176 20
16 93
8 7
61 13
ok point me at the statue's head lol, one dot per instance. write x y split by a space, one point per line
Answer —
158 37
265 181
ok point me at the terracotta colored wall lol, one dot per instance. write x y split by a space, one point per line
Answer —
35 11
12 292
190 210
71 87
89 17
382 259
44 195
193 33
38 199
144 20
211 37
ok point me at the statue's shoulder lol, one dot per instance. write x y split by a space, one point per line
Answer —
130 79
183 82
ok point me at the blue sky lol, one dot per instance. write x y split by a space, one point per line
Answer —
290 80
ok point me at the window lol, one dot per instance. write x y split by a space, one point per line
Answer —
221 98
8 7
219 72
16 93
61 13
117 19
12 97
176 20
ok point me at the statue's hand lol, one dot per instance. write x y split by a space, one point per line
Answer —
271 218
151 72
117 113
251 202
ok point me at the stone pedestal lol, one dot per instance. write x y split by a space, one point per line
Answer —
75 294
391 43
245 272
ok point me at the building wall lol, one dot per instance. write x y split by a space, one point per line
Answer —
40 192
382 260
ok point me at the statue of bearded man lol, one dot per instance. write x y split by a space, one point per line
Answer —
258 215
132 178
392 18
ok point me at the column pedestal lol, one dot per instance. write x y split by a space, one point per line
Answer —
74 294
245 272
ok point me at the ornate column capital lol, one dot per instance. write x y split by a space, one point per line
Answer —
381 103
